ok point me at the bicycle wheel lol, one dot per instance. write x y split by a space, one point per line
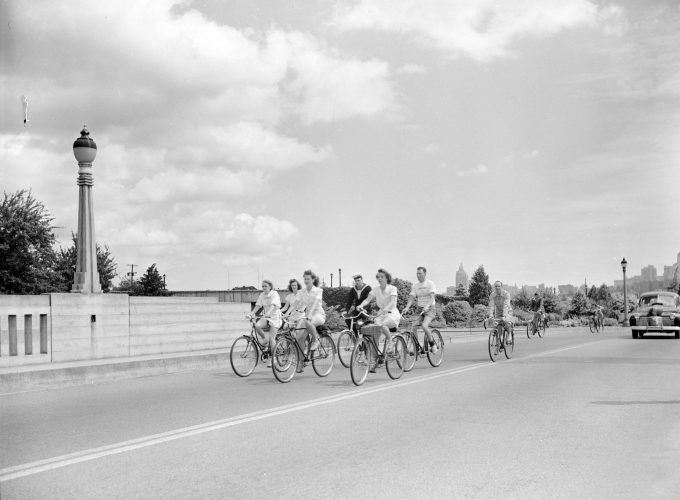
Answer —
346 342
323 358
396 361
243 356
494 345
284 359
541 329
436 359
361 359
411 353
591 325
509 345
529 330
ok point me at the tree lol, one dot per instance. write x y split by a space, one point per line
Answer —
550 303
461 293
26 246
457 313
403 289
65 265
480 288
579 304
152 282
521 300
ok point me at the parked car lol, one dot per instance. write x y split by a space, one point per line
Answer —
657 312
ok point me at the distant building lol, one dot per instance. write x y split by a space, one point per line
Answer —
461 277
648 273
451 290
567 289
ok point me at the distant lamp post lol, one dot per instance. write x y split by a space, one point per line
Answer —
624 263
86 278
331 280
340 278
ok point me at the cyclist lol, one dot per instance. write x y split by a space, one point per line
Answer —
499 305
269 305
538 309
598 313
357 295
422 294
385 296
293 287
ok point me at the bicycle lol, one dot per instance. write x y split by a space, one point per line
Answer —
414 348
499 339
536 326
348 339
247 350
594 324
289 354
367 356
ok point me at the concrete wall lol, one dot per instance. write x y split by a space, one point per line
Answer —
25 334
71 327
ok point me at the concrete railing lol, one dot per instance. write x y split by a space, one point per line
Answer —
25 330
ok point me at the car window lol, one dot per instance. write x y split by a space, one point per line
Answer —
658 299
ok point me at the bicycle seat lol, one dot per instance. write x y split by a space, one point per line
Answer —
322 329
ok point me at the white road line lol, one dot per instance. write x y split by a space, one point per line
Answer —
31 468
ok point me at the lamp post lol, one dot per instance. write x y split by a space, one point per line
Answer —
624 263
340 278
331 280
86 278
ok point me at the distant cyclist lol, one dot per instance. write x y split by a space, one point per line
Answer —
269 306
499 305
357 294
423 295
598 313
537 307
385 296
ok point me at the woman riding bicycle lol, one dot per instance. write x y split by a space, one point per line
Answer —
294 287
309 301
385 296
269 306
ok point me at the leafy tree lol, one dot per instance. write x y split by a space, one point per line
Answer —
152 282
461 293
26 246
244 288
130 287
479 313
522 300
551 304
674 286
65 265
457 313
403 289
336 296
579 304
480 288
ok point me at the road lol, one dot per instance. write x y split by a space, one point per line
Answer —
574 415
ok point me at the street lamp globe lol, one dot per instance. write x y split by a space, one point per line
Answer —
84 148
624 263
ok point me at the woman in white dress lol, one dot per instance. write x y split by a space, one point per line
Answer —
294 287
268 305
385 296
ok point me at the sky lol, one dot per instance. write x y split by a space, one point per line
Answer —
258 138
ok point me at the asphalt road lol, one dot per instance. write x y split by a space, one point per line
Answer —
574 415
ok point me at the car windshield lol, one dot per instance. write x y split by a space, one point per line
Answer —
665 300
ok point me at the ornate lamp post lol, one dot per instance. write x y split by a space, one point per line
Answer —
86 278
624 263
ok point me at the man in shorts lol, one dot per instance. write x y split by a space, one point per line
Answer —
422 294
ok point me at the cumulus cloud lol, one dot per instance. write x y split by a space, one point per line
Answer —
478 29
411 69
431 149
477 170
530 155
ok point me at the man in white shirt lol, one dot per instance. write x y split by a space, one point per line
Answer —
422 294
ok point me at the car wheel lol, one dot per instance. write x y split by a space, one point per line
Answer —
677 335
635 334
640 334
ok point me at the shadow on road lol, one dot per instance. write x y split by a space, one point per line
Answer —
627 403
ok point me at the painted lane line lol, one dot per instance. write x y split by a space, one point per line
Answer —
36 467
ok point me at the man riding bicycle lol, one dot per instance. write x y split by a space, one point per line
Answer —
357 295
538 309
423 295
499 306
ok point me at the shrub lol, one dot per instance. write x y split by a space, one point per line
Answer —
479 314
457 313
334 320
336 296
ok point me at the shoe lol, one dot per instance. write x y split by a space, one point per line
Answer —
371 369
269 363
434 349
314 346
389 348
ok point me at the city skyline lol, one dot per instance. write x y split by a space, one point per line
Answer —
258 139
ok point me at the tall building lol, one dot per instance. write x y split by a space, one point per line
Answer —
462 277
648 273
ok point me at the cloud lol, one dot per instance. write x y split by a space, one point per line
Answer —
530 155
477 29
477 170
431 149
411 69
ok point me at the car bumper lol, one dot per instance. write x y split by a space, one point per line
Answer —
662 329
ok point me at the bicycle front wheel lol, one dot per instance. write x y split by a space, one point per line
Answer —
346 342
591 325
243 356
411 353
529 330
541 329
284 359
494 345
509 346
361 360
323 358
435 359
396 361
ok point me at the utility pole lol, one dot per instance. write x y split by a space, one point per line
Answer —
164 282
340 277
331 280
131 274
